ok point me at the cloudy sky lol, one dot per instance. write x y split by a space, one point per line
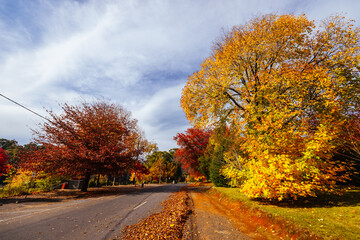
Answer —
135 53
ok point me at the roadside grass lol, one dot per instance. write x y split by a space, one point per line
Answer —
12 191
327 216
20 190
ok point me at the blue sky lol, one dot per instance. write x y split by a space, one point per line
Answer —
136 53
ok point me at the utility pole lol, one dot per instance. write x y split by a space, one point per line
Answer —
160 172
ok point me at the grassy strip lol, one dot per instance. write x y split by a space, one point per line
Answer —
13 191
167 224
328 216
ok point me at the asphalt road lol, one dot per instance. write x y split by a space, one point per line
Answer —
91 218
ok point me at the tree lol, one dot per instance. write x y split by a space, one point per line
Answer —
220 144
140 171
350 152
192 145
12 149
3 162
91 138
352 136
287 86
162 166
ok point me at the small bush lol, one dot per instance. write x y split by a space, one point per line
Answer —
12 191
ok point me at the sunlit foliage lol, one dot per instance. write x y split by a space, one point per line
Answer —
91 138
192 146
162 166
287 86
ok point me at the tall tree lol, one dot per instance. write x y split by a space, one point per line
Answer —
192 145
91 138
288 86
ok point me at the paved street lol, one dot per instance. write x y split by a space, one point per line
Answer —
91 218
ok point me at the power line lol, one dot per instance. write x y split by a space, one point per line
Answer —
24 107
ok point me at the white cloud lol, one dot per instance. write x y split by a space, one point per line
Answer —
137 53
160 117
15 123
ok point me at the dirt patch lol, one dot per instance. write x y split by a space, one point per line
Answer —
213 219
253 222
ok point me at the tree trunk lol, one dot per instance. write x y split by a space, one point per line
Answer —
98 180
86 182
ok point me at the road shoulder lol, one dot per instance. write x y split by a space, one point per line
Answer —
213 220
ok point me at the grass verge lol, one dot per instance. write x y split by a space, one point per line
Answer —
327 216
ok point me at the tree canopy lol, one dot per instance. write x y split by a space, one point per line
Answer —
162 164
3 162
90 138
192 145
288 86
12 149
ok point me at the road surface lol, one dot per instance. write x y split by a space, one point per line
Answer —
91 218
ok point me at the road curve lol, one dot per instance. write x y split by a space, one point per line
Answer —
98 218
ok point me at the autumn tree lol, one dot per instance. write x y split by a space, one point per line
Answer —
162 166
3 162
192 145
12 148
287 86
350 152
352 136
90 138
140 171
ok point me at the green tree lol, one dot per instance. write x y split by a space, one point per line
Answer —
220 144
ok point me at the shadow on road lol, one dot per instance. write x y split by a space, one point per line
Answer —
66 195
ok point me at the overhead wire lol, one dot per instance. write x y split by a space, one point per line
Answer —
28 109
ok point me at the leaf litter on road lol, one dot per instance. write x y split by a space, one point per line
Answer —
167 224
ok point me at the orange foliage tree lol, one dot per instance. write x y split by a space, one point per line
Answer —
192 145
287 86
92 138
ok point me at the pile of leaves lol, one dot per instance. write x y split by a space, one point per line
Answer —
167 224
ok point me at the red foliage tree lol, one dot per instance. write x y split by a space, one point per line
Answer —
192 145
140 170
3 162
92 138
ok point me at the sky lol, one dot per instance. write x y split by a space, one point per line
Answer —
137 54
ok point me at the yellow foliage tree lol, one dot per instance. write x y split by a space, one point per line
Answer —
288 86
161 166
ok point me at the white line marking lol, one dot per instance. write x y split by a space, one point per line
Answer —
25 215
63 205
140 205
